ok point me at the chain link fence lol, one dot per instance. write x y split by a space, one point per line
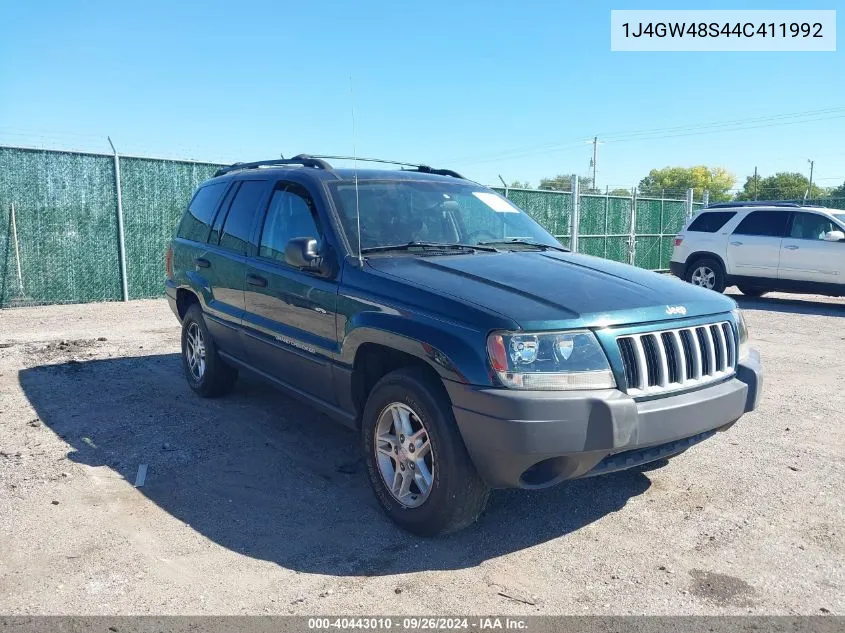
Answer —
60 237
630 229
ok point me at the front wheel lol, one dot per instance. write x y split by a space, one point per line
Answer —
706 273
416 460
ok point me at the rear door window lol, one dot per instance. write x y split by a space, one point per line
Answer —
217 227
196 223
764 224
711 221
238 224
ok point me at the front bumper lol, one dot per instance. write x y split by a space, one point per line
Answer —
535 439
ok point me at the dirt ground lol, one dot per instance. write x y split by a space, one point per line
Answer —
256 504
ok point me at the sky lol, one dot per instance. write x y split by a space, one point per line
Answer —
483 87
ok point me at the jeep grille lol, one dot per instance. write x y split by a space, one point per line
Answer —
671 360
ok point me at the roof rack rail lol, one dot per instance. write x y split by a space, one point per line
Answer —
753 203
425 169
301 159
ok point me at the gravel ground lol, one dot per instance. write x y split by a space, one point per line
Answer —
256 504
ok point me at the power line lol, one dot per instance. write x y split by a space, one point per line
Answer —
670 132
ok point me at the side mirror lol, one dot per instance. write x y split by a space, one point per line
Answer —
834 236
301 252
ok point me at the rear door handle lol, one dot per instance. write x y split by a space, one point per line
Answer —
736 243
202 262
791 247
256 280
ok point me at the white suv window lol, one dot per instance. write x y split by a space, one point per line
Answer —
711 221
810 226
764 224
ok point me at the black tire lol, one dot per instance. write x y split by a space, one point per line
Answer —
457 495
751 291
709 264
218 378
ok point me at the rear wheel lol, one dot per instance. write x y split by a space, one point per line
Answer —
417 463
207 374
751 291
706 273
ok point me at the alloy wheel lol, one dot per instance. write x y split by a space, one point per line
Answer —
704 276
195 351
403 454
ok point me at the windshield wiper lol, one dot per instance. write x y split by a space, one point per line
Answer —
520 242
441 246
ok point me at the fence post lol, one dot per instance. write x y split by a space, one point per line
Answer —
632 233
706 198
121 238
17 248
575 217
504 184
606 217
688 203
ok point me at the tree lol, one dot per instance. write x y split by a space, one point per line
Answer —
783 185
563 182
717 180
620 192
838 192
520 185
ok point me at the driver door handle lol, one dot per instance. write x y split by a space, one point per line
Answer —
791 247
256 280
736 243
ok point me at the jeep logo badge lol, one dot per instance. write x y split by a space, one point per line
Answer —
672 310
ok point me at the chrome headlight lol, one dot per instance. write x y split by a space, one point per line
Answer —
550 360
742 333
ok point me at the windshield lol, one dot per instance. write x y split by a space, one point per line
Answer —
840 217
397 212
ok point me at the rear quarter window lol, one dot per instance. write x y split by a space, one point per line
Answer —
196 223
711 221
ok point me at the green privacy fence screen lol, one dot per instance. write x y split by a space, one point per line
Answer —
66 228
65 208
154 193
608 226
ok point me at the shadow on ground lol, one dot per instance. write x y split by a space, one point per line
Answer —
262 475
790 305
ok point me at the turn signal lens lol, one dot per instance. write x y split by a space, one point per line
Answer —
678 240
497 353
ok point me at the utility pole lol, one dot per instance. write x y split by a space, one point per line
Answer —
755 182
593 162
504 184
810 186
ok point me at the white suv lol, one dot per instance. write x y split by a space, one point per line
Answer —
763 246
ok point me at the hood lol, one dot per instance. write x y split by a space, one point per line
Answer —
551 290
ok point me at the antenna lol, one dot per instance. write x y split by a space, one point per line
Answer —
355 167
